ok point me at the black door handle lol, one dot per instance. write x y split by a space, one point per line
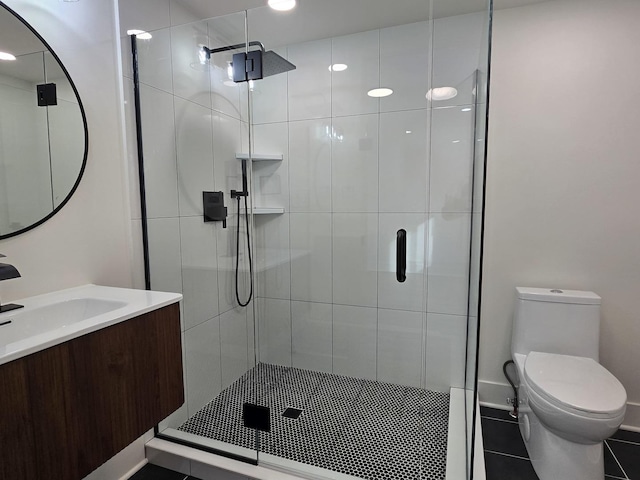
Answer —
401 255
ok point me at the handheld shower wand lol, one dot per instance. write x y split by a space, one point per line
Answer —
235 194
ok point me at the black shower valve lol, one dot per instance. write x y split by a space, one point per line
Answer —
214 209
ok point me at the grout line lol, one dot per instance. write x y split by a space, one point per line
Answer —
616 459
507 455
628 442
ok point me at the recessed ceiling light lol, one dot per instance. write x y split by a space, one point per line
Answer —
380 92
456 141
141 34
408 132
441 93
6 56
466 109
282 5
338 67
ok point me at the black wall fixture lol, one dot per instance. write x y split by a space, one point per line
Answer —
401 255
213 207
47 94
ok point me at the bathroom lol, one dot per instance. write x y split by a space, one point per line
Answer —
545 111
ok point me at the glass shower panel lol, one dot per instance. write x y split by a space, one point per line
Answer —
479 165
341 325
195 125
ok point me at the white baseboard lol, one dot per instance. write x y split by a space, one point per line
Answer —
493 394
632 417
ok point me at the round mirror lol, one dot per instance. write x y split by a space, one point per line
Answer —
43 129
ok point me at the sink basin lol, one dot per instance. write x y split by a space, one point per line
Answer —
54 318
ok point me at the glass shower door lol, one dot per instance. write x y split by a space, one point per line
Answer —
194 126
343 241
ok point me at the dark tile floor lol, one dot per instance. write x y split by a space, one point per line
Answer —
153 472
506 456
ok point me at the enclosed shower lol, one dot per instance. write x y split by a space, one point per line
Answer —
313 185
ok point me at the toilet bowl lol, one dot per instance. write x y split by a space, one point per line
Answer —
569 403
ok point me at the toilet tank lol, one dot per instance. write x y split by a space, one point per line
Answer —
556 321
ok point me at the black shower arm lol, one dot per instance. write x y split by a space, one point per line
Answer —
234 47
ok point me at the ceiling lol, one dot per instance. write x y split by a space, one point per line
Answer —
316 19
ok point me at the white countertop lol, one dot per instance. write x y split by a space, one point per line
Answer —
54 318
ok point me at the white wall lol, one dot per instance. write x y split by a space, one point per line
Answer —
88 241
563 173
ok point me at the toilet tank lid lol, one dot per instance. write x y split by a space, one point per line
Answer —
557 295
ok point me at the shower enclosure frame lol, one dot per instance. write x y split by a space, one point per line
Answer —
145 234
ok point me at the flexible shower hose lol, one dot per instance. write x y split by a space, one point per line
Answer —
246 216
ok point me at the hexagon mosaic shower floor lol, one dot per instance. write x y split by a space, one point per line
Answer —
367 429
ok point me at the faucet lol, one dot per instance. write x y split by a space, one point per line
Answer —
7 272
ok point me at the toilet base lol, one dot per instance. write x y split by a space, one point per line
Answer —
554 458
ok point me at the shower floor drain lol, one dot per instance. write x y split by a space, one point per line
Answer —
363 428
292 413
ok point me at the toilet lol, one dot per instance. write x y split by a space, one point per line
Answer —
569 403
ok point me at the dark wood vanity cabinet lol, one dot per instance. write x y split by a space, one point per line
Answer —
66 410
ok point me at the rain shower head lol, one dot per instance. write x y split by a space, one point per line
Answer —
255 64
273 64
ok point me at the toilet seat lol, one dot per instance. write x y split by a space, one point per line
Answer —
576 384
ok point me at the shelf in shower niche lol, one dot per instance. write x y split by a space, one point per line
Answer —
268 211
259 157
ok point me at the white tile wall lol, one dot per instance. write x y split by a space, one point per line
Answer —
404 167
354 168
355 259
457 42
312 345
310 82
310 165
273 256
199 270
448 263
158 134
164 254
361 53
311 266
154 60
191 79
274 327
446 348
203 364
233 341
195 155
400 347
226 96
404 66
354 341
451 159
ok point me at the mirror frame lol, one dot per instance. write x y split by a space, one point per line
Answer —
84 122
